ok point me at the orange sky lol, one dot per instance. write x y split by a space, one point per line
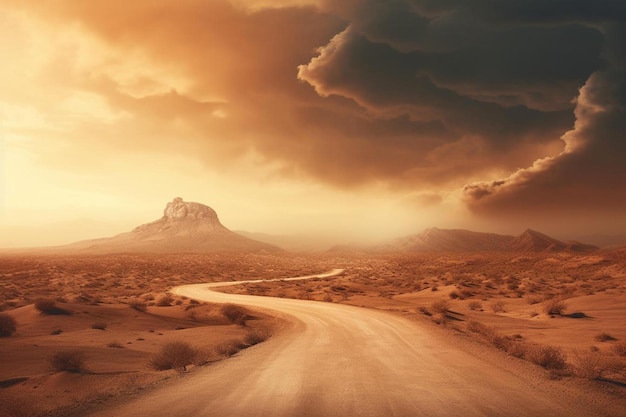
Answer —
363 120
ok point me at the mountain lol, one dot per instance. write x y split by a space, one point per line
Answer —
459 240
184 227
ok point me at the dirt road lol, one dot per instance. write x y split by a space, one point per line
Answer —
338 360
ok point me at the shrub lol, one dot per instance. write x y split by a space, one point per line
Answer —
498 306
138 305
235 314
439 307
596 365
604 337
49 306
475 305
230 348
56 332
164 301
620 349
554 307
8 325
548 357
99 326
69 360
174 355
453 295
115 344
255 337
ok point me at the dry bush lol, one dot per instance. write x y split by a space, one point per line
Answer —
554 307
533 299
99 326
454 295
138 305
548 357
8 325
164 301
174 355
69 360
230 347
593 364
475 305
235 314
115 344
604 337
440 307
255 337
498 306
49 306
620 349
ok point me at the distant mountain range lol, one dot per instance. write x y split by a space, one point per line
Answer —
458 240
184 227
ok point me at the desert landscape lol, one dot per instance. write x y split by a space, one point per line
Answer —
313 208
90 332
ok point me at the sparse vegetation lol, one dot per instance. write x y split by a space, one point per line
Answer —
174 355
165 301
68 361
498 306
604 337
235 314
99 326
548 357
8 325
593 364
230 348
138 305
554 307
475 305
49 306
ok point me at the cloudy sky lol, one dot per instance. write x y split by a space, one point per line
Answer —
359 118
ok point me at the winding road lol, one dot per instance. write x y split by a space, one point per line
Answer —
338 360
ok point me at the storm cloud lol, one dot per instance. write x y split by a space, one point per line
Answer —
517 103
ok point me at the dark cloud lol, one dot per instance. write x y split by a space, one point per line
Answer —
414 94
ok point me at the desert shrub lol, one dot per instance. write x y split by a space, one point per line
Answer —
533 299
620 349
498 306
49 306
554 307
69 360
604 337
255 337
548 357
477 327
138 305
99 326
56 332
235 314
230 347
174 355
115 344
8 325
593 364
475 305
164 301
453 295
440 307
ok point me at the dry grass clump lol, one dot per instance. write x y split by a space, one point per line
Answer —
255 337
8 325
69 361
554 307
99 326
230 348
138 305
49 306
165 301
498 306
174 355
604 337
475 305
620 349
440 309
235 314
548 357
593 364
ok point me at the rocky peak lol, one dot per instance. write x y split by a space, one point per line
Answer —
179 209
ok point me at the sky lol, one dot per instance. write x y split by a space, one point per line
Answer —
359 119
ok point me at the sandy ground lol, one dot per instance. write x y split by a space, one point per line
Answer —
343 360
